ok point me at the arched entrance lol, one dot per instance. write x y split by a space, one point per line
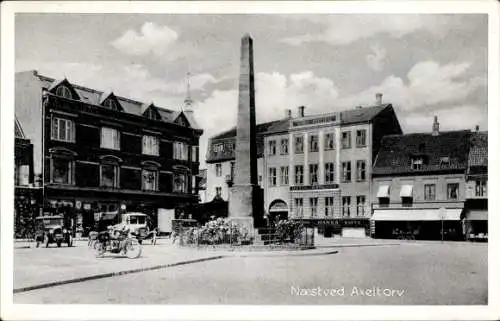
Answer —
278 210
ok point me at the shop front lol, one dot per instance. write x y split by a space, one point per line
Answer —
420 224
476 225
82 208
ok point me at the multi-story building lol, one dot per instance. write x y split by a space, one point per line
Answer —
220 160
98 152
419 184
318 167
28 192
476 178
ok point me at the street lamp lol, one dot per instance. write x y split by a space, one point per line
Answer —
442 213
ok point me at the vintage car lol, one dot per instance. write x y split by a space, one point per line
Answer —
136 223
51 229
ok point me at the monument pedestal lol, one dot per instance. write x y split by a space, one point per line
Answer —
244 205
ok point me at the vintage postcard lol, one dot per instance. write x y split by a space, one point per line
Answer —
249 160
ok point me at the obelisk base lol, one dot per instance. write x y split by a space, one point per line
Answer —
243 206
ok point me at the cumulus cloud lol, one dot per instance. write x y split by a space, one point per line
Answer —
429 84
450 118
343 29
275 93
376 60
151 38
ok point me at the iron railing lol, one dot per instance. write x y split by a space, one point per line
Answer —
237 237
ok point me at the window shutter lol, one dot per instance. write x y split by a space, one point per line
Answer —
144 149
54 128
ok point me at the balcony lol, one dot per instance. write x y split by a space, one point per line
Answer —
313 187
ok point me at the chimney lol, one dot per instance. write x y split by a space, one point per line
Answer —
435 127
477 128
378 97
301 111
288 113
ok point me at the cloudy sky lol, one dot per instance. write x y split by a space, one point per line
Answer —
425 65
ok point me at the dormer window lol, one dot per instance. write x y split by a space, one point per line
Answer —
152 114
64 91
417 163
444 161
111 104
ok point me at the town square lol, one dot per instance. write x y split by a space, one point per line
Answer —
320 159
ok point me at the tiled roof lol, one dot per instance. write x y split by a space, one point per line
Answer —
444 152
351 116
360 115
478 153
96 97
228 138
261 128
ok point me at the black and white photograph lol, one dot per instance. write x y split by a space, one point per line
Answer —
217 155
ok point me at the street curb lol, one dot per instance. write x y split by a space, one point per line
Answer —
356 245
257 254
113 274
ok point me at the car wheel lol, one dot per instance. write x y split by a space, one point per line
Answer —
46 240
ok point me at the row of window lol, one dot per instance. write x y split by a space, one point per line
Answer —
314 142
218 169
64 130
329 206
313 173
63 172
452 193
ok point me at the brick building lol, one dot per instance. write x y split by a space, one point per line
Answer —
318 167
98 152
419 184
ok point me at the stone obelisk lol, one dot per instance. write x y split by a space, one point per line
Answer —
244 194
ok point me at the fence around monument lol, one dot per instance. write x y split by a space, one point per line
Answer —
262 237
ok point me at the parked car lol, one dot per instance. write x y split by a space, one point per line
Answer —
51 229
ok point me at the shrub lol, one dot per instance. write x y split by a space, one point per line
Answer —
288 231
216 231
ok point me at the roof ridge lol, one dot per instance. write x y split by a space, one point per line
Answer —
92 90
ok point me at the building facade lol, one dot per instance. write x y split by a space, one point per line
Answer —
27 192
220 162
419 187
98 152
476 195
318 168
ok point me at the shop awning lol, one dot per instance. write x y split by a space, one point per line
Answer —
477 215
383 191
406 191
279 206
416 215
